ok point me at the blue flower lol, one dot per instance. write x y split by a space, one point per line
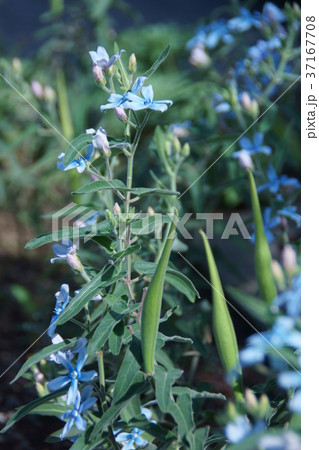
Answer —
74 416
116 100
244 22
137 103
102 59
79 163
272 14
276 182
132 440
74 376
269 224
210 35
255 145
241 428
262 50
220 105
62 300
290 300
62 250
290 212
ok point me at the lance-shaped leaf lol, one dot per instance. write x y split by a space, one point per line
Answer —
104 278
223 328
152 305
76 146
266 284
164 380
158 62
119 185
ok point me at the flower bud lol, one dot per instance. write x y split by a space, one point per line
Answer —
296 9
278 274
246 101
132 63
49 94
150 211
17 65
100 142
177 145
37 89
186 150
116 209
120 114
254 109
74 261
251 401
263 405
110 71
98 75
244 159
168 148
199 57
41 389
289 259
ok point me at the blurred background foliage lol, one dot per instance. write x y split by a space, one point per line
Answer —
52 49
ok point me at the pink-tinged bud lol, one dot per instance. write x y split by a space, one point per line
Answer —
73 260
246 101
17 66
38 376
199 57
49 94
100 142
120 114
132 63
37 89
116 209
289 259
98 75
244 160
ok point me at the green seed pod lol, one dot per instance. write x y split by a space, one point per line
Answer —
266 284
186 150
151 309
223 328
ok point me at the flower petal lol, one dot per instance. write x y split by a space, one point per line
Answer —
72 392
58 383
67 428
87 376
148 93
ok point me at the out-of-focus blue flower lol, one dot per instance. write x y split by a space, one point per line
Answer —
241 428
272 14
180 130
101 58
290 300
288 440
74 376
137 103
254 145
269 224
294 403
220 105
69 354
291 380
276 182
262 50
74 416
62 300
290 213
210 35
116 100
62 250
79 163
282 334
244 22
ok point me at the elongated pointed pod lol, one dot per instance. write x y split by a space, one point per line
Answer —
266 283
223 328
151 309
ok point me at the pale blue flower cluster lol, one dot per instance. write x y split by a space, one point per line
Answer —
133 440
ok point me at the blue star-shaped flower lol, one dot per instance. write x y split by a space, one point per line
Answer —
74 376
290 299
132 440
276 182
79 163
269 224
62 250
74 416
116 100
254 145
101 58
290 213
137 103
62 300
272 14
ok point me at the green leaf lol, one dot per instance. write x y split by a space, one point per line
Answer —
147 225
158 62
138 386
100 186
151 428
130 366
24 410
101 228
182 412
105 327
42 354
132 249
51 409
178 390
176 279
181 339
76 146
104 278
84 442
116 338
106 242
197 438
164 380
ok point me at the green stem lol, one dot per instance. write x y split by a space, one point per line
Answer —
102 378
